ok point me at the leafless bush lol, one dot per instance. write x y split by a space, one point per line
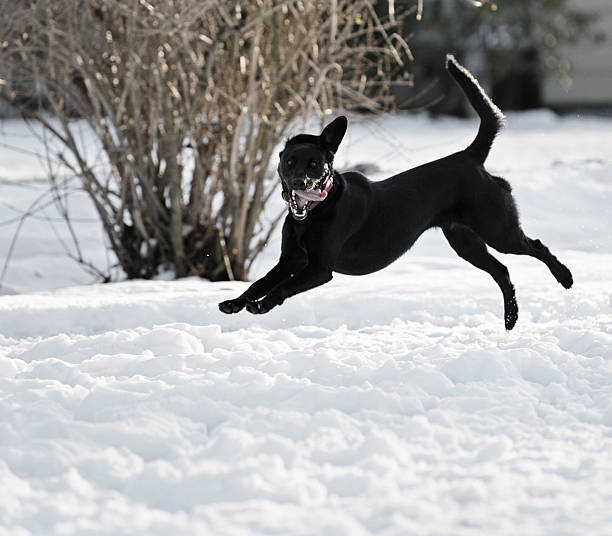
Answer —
188 99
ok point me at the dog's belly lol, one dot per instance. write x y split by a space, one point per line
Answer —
347 267
370 252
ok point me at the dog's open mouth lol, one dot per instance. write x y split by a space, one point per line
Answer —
301 200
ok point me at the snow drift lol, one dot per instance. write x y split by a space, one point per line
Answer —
388 404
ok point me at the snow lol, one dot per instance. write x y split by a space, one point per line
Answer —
387 404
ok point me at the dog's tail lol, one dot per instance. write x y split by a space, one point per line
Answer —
491 117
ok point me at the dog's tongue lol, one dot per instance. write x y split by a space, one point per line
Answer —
312 195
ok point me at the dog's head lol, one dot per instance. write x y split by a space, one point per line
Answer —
306 165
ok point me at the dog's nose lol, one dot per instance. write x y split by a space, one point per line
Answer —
298 184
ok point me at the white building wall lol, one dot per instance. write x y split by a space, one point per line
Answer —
591 65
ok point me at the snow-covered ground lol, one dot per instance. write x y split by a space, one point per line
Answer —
389 404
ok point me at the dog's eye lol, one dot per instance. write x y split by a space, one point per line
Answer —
290 162
312 164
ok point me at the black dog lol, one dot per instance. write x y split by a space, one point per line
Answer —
342 222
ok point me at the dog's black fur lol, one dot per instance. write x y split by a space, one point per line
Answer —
363 226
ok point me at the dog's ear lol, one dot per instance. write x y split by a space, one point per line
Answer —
333 133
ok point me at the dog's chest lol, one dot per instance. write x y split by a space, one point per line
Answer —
310 238
303 235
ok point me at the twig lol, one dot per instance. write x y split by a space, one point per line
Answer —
226 259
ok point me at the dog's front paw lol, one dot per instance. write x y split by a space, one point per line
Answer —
231 306
259 307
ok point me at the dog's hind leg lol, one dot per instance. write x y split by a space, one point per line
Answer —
497 223
472 248
520 244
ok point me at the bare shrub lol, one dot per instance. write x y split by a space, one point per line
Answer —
188 100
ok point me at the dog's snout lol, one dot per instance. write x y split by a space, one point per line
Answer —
298 184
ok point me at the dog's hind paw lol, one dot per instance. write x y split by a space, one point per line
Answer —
564 276
510 313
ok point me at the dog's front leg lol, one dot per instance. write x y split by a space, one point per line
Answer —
312 276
